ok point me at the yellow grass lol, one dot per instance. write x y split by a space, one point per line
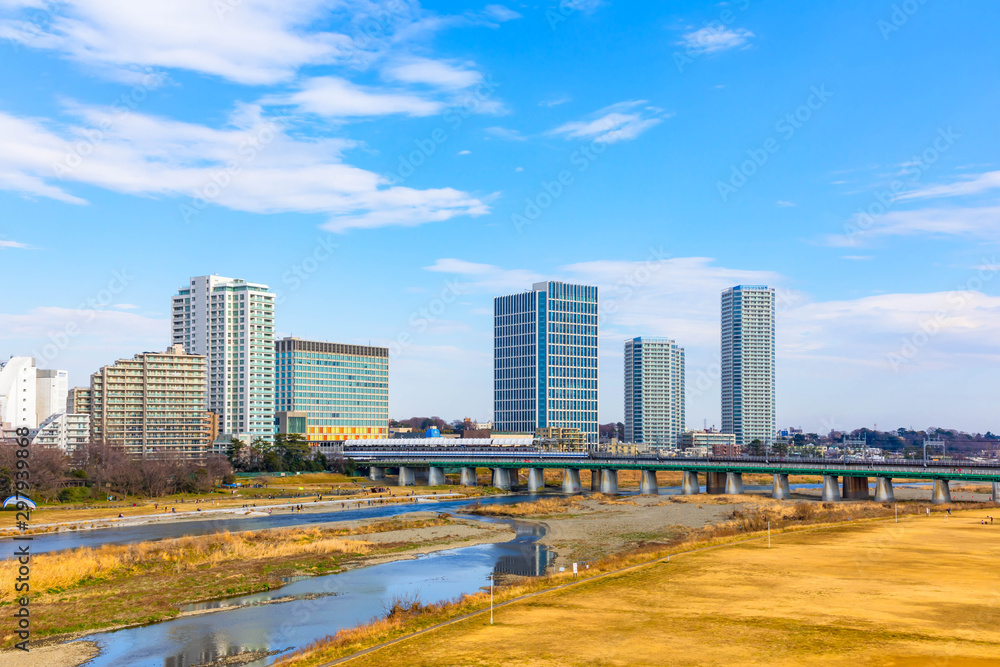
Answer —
65 569
541 507
922 591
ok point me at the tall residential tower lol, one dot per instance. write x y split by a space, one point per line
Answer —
231 323
654 392
748 363
545 359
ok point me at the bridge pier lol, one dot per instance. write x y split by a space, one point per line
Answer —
376 473
715 483
571 481
941 493
609 482
595 481
536 480
468 477
831 488
690 485
435 476
647 483
734 483
501 479
855 488
779 487
406 476
996 492
883 490
514 477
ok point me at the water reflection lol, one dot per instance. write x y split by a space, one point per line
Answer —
322 605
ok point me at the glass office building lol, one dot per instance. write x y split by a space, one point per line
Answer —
545 359
654 392
332 392
748 363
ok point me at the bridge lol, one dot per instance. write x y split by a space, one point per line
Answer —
847 480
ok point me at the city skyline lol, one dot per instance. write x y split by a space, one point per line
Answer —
388 191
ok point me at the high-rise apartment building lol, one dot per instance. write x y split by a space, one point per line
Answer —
152 405
654 392
30 395
231 323
52 386
545 359
65 431
78 401
748 364
332 392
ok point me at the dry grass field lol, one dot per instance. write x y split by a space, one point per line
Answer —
923 591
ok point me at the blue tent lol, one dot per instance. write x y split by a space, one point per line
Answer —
14 500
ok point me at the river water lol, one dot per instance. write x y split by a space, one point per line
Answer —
345 600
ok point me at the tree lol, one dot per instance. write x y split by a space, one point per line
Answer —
755 448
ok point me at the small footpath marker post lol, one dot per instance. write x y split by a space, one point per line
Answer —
574 570
490 577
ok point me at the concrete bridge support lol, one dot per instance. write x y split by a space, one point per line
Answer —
435 477
514 477
536 480
406 476
609 482
595 481
883 490
501 479
734 483
831 488
647 483
941 493
690 485
779 488
571 481
715 483
996 492
468 477
856 488
376 473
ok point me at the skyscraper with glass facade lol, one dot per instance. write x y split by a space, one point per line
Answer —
231 323
545 359
748 363
331 392
654 392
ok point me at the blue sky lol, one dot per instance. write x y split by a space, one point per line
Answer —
390 167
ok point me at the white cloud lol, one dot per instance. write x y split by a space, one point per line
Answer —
970 222
336 97
554 102
274 171
507 134
125 306
13 244
785 204
619 122
464 152
857 258
501 13
247 41
971 185
437 73
486 277
712 39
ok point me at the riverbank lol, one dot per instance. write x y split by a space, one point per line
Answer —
796 599
112 587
